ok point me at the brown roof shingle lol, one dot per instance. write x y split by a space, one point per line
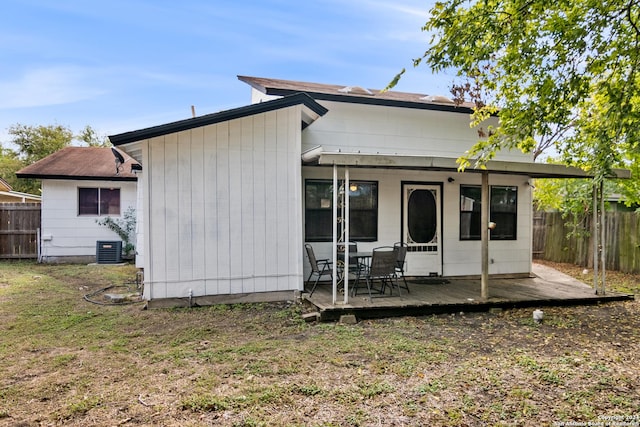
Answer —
95 163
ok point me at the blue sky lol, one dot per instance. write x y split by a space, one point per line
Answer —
122 65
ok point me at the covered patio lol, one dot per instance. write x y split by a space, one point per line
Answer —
545 287
456 293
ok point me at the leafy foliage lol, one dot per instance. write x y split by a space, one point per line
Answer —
562 75
9 164
572 197
37 142
89 136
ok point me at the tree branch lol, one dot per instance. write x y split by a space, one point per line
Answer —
630 18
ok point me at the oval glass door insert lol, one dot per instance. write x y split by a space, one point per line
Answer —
421 216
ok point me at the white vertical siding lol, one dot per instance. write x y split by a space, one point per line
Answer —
271 205
295 226
197 200
172 207
283 214
222 216
224 206
186 237
140 220
156 230
236 241
259 199
210 203
247 255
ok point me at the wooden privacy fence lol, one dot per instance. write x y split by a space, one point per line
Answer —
19 224
552 240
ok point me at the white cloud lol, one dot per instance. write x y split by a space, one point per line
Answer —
48 86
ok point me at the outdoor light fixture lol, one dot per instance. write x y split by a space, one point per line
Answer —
450 179
353 187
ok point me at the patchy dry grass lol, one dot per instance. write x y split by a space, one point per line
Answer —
65 361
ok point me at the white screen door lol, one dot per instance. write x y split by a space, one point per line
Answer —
421 229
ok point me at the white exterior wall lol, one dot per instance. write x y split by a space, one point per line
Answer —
460 257
64 233
351 128
140 243
222 208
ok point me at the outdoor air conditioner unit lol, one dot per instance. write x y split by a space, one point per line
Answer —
108 252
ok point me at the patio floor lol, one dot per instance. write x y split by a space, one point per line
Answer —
452 295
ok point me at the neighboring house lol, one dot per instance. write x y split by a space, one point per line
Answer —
232 197
7 195
80 185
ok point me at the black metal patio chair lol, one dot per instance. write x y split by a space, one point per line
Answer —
401 250
381 270
319 267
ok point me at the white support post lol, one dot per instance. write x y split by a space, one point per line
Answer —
595 236
484 236
603 246
334 246
346 235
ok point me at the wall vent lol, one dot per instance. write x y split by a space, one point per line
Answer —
108 252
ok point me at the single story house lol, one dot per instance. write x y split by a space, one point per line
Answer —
232 197
80 185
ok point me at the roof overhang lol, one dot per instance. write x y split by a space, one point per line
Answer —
77 177
19 195
414 162
311 111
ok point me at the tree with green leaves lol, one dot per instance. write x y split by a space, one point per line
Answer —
561 74
9 164
90 137
37 142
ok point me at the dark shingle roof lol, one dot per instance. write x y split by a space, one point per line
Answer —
83 163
